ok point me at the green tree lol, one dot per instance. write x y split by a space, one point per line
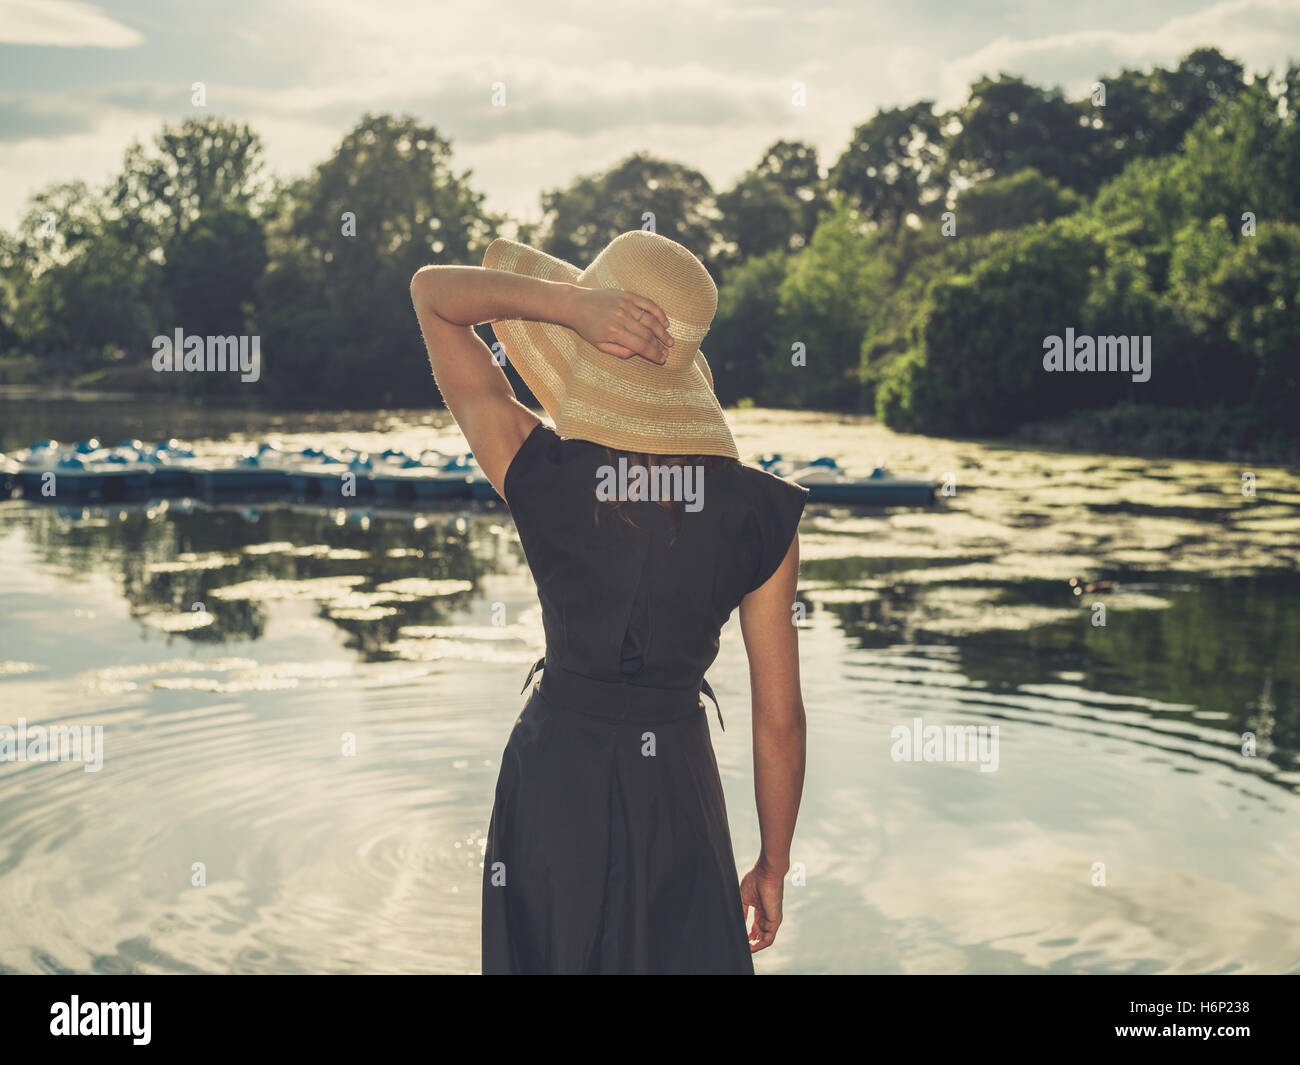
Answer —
793 165
80 286
773 207
1241 157
198 166
211 275
1143 208
740 340
977 365
1147 113
1241 300
825 306
345 242
1019 199
917 259
1008 125
893 166
583 218
1256 292
757 216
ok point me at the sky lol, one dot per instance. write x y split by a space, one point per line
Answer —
703 82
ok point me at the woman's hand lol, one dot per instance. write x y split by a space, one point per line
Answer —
763 890
620 323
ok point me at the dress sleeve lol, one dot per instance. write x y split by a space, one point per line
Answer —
530 453
776 509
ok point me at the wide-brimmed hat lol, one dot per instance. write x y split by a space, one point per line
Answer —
631 404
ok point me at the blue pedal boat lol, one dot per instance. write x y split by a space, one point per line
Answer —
828 483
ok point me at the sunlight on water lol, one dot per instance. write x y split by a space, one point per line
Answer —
311 702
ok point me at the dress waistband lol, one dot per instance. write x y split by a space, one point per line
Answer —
619 699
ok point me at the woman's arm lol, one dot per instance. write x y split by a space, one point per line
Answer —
780 739
450 300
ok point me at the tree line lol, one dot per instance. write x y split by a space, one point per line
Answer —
915 276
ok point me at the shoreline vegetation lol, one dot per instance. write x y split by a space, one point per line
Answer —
918 278
1121 431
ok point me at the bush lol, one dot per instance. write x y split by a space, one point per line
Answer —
1012 202
826 300
740 338
977 365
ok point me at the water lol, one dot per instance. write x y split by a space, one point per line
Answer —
404 636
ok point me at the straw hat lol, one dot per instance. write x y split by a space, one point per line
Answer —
631 404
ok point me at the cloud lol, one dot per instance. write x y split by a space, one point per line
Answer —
62 24
538 99
24 118
706 82
49 116
1260 32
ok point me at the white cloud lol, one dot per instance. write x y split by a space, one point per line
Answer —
1259 33
62 23
92 156
697 82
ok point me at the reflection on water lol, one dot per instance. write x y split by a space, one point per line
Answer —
311 703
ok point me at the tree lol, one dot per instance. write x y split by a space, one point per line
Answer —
1147 113
1256 293
211 275
198 166
1202 80
1241 157
79 285
1010 202
352 234
582 219
976 366
772 207
1241 300
893 166
740 340
1007 125
794 167
757 216
825 305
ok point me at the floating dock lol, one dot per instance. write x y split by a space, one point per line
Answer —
131 470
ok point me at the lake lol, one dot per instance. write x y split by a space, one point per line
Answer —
303 708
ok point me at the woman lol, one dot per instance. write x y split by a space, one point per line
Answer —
608 848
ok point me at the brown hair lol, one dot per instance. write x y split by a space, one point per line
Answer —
674 506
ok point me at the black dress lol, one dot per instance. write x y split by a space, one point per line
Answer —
608 850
